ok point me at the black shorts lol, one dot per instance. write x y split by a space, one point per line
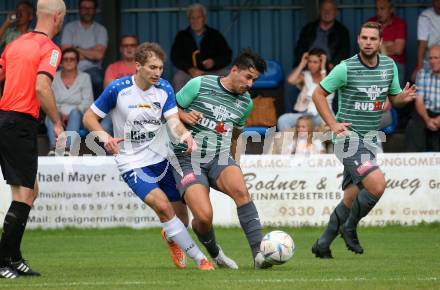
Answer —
18 148
206 173
358 164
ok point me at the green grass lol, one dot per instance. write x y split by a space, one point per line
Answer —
395 258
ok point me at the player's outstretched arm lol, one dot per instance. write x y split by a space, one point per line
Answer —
408 95
92 123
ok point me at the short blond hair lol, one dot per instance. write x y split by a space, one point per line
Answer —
51 6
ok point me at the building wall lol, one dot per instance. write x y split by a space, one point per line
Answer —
271 27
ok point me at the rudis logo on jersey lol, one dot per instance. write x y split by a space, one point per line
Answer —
140 106
220 113
220 127
373 92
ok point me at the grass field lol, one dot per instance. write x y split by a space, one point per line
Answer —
394 258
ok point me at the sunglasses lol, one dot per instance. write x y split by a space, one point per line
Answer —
129 45
67 59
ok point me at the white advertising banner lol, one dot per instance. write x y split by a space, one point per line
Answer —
293 191
287 190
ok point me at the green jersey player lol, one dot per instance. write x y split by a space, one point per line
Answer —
214 109
363 82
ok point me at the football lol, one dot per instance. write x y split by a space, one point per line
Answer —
277 247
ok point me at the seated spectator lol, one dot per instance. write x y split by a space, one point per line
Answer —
394 34
22 17
126 66
73 95
300 140
325 33
198 49
428 34
90 39
306 76
423 130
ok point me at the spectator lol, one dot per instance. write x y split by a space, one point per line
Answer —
423 130
73 95
90 38
199 49
325 33
428 34
126 66
301 141
394 34
307 80
22 17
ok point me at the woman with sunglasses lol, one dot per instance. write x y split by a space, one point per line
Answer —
73 94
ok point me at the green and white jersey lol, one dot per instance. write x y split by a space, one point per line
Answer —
222 110
362 91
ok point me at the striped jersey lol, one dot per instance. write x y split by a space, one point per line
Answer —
362 91
137 117
222 110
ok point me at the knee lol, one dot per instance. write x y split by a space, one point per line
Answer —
203 221
164 210
241 197
377 188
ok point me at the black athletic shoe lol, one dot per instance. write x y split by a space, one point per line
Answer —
321 252
23 269
351 240
8 273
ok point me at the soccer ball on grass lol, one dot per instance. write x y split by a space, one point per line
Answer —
277 247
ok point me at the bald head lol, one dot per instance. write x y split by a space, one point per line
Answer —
50 16
435 47
51 7
434 58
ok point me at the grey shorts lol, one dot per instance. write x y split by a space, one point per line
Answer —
357 166
198 173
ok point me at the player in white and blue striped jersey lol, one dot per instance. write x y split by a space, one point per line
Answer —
138 104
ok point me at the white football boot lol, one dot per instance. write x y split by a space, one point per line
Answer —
223 261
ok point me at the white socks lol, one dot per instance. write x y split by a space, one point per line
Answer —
176 231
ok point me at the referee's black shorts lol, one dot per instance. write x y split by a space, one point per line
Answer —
18 148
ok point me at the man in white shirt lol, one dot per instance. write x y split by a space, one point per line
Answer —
428 34
91 39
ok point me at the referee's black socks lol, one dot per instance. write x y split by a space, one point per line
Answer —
13 230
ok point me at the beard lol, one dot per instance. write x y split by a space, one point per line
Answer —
369 54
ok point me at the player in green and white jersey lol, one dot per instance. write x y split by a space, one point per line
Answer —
363 82
214 109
